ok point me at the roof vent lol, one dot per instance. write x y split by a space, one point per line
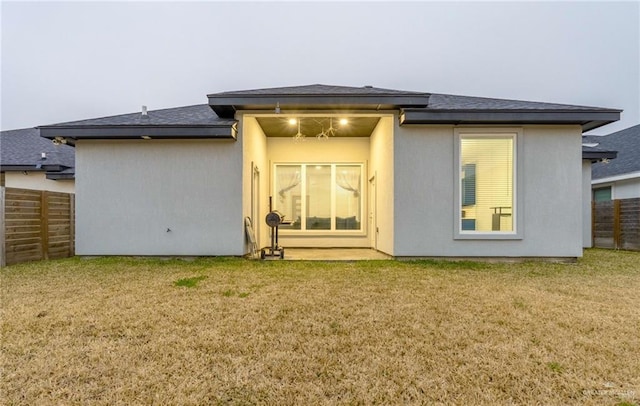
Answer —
43 155
368 87
144 112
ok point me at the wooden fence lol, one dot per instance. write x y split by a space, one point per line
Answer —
616 224
35 225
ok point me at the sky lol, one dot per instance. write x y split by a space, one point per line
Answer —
64 61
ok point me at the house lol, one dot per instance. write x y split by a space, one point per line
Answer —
28 161
410 174
591 154
619 178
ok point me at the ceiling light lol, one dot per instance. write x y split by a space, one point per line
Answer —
344 121
293 121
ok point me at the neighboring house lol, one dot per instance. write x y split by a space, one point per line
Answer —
591 154
407 173
28 161
620 178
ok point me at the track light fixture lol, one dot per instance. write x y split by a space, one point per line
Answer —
326 127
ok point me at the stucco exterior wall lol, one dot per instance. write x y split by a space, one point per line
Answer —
254 144
154 197
626 189
382 170
551 197
38 181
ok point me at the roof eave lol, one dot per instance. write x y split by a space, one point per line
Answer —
589 120
60 176
20 168
599 155
615 178
225 106
219 131
33 168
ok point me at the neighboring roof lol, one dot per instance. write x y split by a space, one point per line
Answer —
415 107
316 96
627 143
595 154
197 121
21 150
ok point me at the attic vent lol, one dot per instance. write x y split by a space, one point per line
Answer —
368 87
144 112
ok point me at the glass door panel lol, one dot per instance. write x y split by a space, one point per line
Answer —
318 185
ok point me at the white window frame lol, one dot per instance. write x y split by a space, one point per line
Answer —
518 201
303 192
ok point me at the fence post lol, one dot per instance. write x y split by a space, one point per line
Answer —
44 223
3 261
72 224
617 228
593 224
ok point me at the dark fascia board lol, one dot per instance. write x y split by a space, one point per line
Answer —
599 155
19 168
60 176
226 106
107 132
32 168
588 119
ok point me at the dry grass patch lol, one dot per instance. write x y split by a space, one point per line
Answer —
233 331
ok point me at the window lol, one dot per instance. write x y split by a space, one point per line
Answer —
602 194
288 191
486 188
318 190
332 196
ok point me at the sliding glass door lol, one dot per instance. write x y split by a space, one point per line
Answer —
319 198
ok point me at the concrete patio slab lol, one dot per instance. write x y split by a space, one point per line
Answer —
333 254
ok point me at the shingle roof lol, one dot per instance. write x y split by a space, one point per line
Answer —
216 119
21 150
596 154
436 101
627 143
319 90
314 97
453 102
416 107
189 122
199 114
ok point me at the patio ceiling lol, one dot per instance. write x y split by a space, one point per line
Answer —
312 126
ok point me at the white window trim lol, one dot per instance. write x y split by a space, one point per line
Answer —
604 186
518 187
333 231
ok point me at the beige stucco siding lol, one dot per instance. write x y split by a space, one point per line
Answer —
159 197
254 144
626 189
38 181
381 171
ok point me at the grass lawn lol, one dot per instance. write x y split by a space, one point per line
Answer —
233 331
